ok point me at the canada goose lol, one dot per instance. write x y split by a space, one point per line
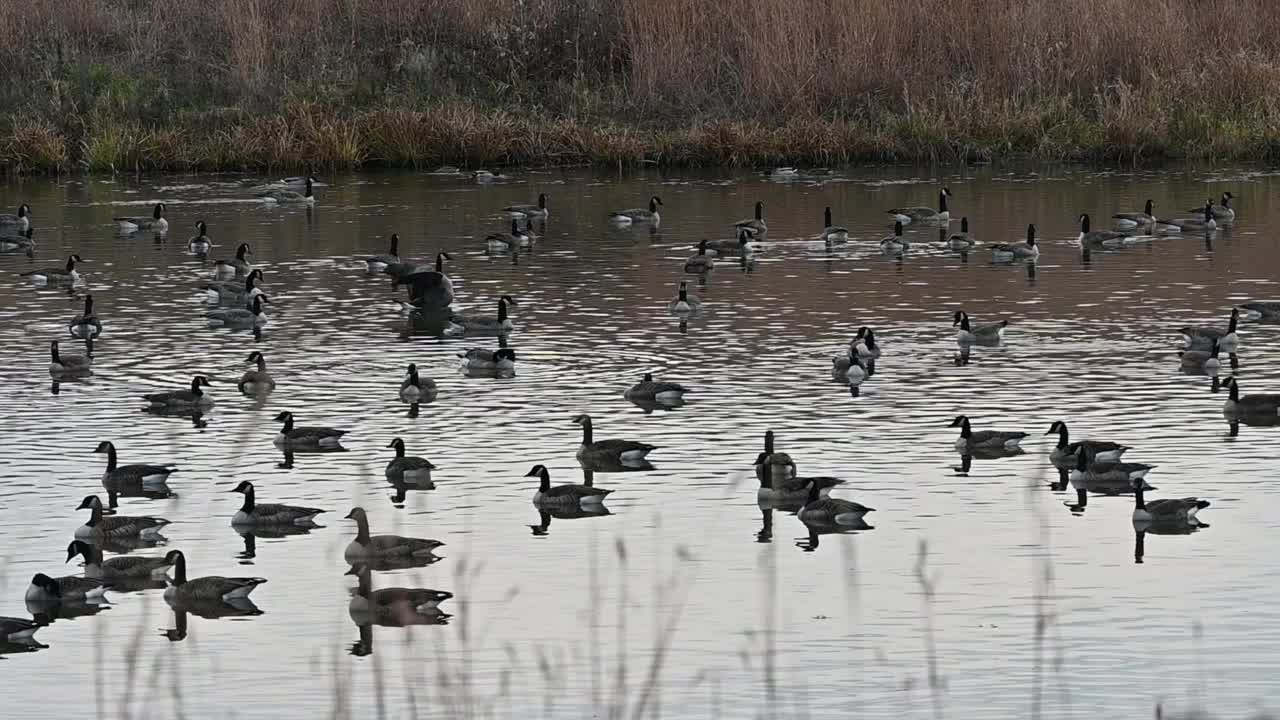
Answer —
840 363
1203 222
744 245
855 370
17 629
21 221
624 452
1223 213
832 233
407 467
1132 220
1098 450
1165 511
1260 310
962 240
479 323
366 546
378 263
563 494
129 475
207 589
984 439
530 211
117 568
256 381
1025 250
1254 404
1198 336
155 223
391 605
821 510
684 302
865 343
9 242
788 489
652 390
1207 359
86 325
290 436
59 363
700 263
235 267
45 590
502 359
428 289
507 240
239 317
924 214
191 398
101 527
895 243
200 242
638 215
255 513
1099 238
288 195
756 225
416 389
967 334
1088 470
65 275
233 292
293 182
781 466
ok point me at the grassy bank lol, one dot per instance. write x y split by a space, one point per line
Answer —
340 84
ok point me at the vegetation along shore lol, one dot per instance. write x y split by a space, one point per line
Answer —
342 84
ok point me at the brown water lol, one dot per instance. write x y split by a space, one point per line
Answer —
733 606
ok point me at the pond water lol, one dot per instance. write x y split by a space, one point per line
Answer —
973 591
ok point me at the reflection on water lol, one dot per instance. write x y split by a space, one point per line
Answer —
683 548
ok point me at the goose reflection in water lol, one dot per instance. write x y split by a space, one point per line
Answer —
9 647
1140 537
546 513
966 460
250 534
811 542
393 606
240 607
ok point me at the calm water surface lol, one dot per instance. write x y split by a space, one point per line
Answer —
735 607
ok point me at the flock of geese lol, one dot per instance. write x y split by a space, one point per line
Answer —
1089 465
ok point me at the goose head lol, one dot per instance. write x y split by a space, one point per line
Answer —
90 502
960 421
47 584
78 547
285 416
358 514
104 447
243 488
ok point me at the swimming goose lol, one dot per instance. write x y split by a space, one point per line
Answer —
638 215
478 323
391 605
1165 511
700 263
365 546
1207 359
744 245
781 466
20 221
1099 238
530 211
200 242
840 363
239 317
56 276
59 363
210 588
1198 336
256 513
256 381
507 240
624 452
117 568
924 214
650 390
832 233
962 240
428 289
378 263
895 243
1260 310
45 590
788 489
1254 404
1223 213
756 225
502 359
865 343
684 302
822 510
407 467
86 325
1131 220
967 334
131 475
416 389
293 182
195 397
855 370
233 292
9 243
984 439
287 195
290 436
1204 222
17 629
101 527
1122 474
563 494
1097 450
235 267
1025 250
155 223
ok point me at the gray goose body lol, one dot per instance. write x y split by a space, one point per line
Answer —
11 243
649 216
1019 251
481 323
781 466
200 243
517 238
61 363
924 214
794 489
258 380
251 316
484 359
238 266
1260 310
755 226
536 210
100 527
290 436
1265 404
1223 213
407 467
183 591
743 245
1196 336
258 514
234 292
685 302
45 590
822 510
700 263
124 567
1165 511
655 390
391 605
86 325
65 275
156 222
1203 221
970 334
414 388
428 289
21 220
1119 475
895 243
562 495
1066 451
1132 220
964 239
193 397
17 629
1089 238
127 476
287 195
625 452
378 263
372 547
984 439
832 233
